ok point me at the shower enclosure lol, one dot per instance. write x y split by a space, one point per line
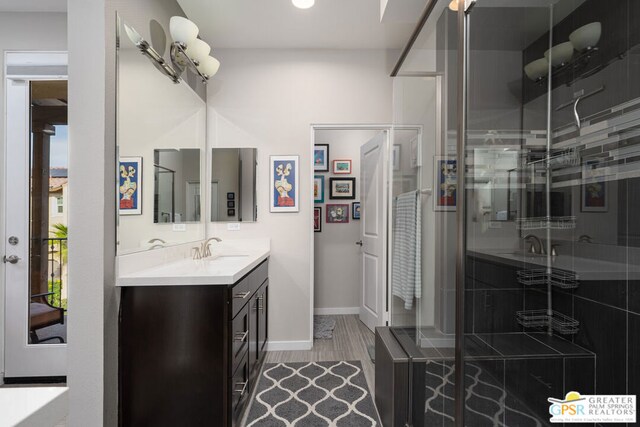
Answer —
530 240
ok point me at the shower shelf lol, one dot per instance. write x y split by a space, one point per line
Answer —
543 222
540 318
559 278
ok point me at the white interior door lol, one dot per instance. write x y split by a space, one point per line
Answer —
22 358
373 199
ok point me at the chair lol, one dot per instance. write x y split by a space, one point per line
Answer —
42 314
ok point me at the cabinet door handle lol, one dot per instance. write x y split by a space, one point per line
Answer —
242 295
241 336
243 389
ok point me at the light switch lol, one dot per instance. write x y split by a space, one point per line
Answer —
180 227
233 226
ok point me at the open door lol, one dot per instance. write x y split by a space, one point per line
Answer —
373 243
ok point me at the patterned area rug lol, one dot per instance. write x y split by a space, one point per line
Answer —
313 394
323 327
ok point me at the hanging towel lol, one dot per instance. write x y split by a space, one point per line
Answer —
407 245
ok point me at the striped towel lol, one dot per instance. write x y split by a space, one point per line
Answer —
406 262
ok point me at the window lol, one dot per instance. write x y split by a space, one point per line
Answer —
60 204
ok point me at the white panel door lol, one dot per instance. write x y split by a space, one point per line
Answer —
373 196
22 359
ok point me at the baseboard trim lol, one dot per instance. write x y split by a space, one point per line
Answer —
289 345
336 311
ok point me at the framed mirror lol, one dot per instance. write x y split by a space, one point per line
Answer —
161 135
233 185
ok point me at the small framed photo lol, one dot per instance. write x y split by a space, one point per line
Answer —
342 167
446 183
395 157
355 210
231 203
231 212
285 176
342 188
321 157
595 197
130 186
337 214
318 189
317 219
231 196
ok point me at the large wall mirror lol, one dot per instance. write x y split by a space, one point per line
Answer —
233 184
161 130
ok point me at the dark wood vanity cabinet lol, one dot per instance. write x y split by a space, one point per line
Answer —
191 354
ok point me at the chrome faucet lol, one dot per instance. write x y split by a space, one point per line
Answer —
585 238
155 239
537 240
206 252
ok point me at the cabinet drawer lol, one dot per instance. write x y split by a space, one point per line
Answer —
259 275
239 337
240 389
240 295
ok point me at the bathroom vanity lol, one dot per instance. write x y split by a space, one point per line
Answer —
192 338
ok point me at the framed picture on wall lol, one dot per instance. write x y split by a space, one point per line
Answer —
321 157
317 219
445 183
595 194
355 210
231 203
284 184
231 212
130 186
342 188
342 167
337 214
318 189
231 196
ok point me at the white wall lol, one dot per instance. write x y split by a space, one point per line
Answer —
22 31
337 269
268 99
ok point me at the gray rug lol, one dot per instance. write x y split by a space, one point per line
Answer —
323 327
313 395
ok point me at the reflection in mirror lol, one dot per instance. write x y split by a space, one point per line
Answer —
233 184
176 185
161 129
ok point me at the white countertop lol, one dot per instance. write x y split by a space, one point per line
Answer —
33 406
222 268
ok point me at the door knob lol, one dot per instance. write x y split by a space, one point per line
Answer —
359 243
11 259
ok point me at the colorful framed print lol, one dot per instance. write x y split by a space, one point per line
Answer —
395 157
342 188
337 214
317 219
284 183
130 186
355 210
342 167
321 157
446 183
318 189
231 196
595 194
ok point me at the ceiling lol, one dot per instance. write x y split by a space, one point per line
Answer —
330 24
33 6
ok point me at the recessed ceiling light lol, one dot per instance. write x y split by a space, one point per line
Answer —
303 4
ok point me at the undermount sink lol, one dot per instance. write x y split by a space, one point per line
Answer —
228 257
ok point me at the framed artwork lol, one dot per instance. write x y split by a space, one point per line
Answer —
342 188
321 157
342 167
355 210
231 196
231 203
595 194
284 183
446 182
231 212
317 219
130 186
395 157
337 214
318 189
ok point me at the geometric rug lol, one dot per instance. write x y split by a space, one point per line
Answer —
323 327
313 394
